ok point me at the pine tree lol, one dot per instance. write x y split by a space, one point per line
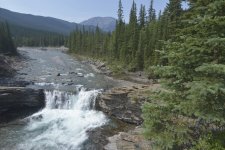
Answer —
133 33
120 13
142 17
174 13
151 12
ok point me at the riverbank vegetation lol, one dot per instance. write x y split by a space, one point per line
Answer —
6 42
185 49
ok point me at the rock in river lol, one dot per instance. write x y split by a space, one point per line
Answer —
80 74
19 102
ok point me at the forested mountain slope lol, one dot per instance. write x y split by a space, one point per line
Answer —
39 22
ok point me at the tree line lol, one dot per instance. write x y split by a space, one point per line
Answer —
185 49
6 42
31 37
134 44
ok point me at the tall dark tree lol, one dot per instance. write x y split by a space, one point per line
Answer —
120 13
142 17
174 11
151 12
133 31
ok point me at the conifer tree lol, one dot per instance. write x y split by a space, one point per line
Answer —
133 32
142 17
151 12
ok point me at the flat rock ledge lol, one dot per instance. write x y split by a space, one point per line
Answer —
119 103
131 140
19 102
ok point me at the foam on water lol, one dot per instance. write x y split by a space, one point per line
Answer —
63 123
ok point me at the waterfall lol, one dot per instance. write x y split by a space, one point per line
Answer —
63 123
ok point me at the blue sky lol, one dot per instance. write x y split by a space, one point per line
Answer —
75 10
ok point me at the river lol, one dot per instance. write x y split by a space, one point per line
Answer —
71 89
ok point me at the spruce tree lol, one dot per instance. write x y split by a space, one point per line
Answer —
151 12
133 33
142 17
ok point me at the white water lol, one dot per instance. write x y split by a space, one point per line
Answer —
63 123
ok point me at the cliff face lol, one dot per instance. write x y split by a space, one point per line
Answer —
19 102
121 104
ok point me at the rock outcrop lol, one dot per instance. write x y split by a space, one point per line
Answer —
17 102
131 140
121 104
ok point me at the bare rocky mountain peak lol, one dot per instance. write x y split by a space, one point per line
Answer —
107 24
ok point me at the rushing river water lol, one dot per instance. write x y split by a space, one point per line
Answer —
71 89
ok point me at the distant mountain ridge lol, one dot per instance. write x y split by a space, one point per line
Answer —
107 24
39 22
50 24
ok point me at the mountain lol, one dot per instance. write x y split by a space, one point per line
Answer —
107 24
39 22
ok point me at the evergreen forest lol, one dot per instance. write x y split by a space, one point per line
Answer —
23 36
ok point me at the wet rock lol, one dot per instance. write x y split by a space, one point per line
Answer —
80 74
117 103
37 118
100 65
11 82
23 74
72 73
19 102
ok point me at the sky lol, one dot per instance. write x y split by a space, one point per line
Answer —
76 10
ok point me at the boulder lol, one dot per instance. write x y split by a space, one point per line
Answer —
118 104
19 102
132 140
80 74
